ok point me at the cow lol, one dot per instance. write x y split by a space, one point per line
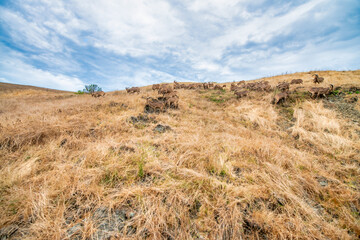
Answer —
98 94
296 81
317 79
133 90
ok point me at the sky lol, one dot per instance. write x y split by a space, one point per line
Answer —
122 43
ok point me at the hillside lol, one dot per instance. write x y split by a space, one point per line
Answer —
9 87
77 167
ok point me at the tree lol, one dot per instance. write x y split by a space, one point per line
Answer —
92 88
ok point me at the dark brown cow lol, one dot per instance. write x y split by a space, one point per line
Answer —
98 94
284 86
296 81
318 79
155 86
133 90
218 87
165 89
280 97
241 94
320 91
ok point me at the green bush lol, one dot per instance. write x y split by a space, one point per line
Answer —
92 88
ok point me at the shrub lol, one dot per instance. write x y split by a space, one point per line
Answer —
92 88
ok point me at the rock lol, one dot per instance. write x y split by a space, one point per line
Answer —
8 231
116 104
75 232
322 181
107 224
354 89
142 118
63 142
131 215
161 128
124 148
351 100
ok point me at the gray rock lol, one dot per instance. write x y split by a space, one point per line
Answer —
161 128
8 231
322 181
107 224
75 232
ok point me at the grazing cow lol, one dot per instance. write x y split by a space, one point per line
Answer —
284 86
233 87
155 86
241 94
296 81
250 86
165 89
133 90
172 102
171 94
177 85
192 86
320 91
280 97
241 82
154 105
262 86
218 87
98 94
318 79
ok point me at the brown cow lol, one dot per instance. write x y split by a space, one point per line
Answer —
218 87
133 90
241 82
318 79
320 91
154 105
165 89
296 81
240 94
171 94
172 102
280 97
284 86
155 86
98 94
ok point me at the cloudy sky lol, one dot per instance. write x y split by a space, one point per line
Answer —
120 43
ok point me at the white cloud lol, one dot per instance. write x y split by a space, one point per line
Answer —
14 70
138 28
29 32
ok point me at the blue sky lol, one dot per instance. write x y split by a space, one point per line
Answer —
121 43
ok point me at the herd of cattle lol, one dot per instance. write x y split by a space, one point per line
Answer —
314 91
169 97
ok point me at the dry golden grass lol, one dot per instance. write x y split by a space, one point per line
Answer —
228 169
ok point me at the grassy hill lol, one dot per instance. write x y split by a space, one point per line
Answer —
77 167
9 87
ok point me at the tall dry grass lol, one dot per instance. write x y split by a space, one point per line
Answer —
232 169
